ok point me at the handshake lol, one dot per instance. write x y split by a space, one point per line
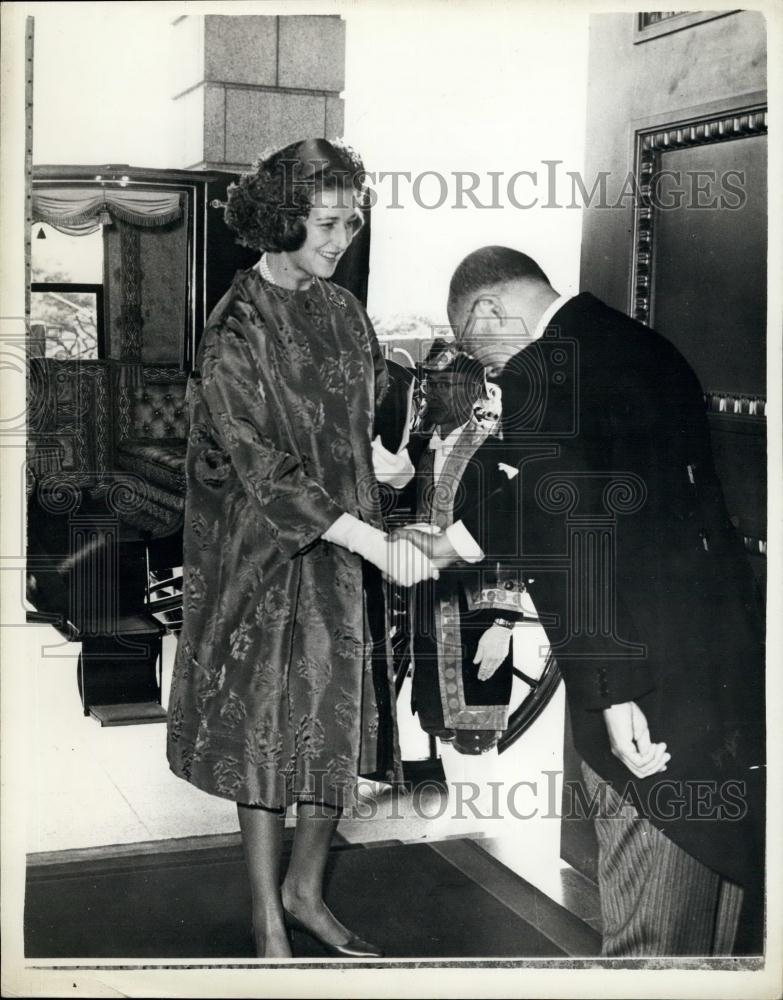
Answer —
414 553
409 555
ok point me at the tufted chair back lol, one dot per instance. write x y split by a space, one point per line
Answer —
158 410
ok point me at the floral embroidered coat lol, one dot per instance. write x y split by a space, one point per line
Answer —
282 690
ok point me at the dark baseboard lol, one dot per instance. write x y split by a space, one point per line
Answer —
419 772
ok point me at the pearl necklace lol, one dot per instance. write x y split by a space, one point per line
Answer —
266 274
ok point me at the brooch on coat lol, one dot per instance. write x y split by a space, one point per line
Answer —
335 298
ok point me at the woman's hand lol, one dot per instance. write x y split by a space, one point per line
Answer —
492 650
397 558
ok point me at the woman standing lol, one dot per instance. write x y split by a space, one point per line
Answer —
281 692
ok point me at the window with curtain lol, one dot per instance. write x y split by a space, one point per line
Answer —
67 266
66 303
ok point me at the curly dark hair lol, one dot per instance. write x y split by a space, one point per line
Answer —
267 207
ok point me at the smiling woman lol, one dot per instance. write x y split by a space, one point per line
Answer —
282 689
301 206
329 229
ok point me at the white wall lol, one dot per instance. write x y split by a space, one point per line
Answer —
430 87
465 87
103 85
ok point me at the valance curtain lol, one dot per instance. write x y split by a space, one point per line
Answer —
80 211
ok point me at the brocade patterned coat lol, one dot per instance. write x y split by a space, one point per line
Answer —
281 691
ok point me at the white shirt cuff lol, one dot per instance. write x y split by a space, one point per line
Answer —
463 543
394 469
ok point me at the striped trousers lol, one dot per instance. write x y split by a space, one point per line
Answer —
655 898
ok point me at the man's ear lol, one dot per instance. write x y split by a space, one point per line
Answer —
485 309
489 306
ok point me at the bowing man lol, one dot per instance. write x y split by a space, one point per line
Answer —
617 520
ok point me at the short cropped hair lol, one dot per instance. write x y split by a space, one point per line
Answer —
268 205
488 267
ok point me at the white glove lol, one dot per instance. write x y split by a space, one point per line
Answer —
357 536
393 469
399 560
492 650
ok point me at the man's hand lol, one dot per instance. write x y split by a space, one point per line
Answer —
435 545
406 564
492 650
629 738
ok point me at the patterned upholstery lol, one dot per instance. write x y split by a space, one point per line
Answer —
69 415
153 447
158 410
161 462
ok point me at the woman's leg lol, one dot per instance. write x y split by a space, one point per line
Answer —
303 886
262 840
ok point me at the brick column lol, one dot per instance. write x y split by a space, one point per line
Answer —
244 83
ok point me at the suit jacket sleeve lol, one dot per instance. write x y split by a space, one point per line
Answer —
492 585
508 519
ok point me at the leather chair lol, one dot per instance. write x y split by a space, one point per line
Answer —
154 450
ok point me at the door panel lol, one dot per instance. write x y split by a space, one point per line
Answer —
223 255
685 93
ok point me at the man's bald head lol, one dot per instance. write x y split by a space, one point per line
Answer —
487 268
496 297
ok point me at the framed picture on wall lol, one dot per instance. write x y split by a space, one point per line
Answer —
654 23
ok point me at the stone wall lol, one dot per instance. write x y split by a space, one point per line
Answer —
245 83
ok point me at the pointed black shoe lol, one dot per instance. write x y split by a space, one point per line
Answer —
354 947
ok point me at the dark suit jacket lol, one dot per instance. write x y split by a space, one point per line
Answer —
618 522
